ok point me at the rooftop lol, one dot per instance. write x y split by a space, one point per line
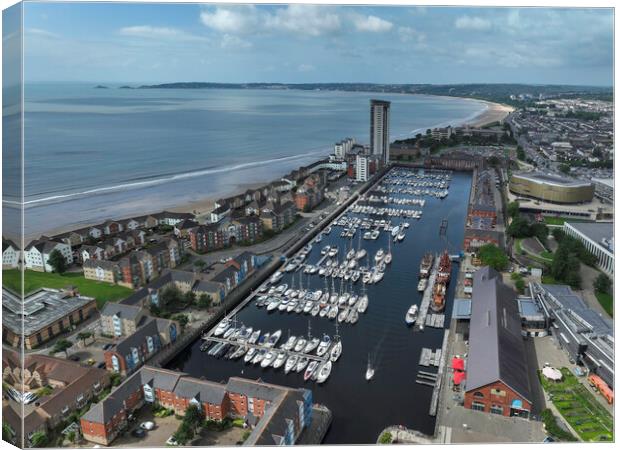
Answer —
596 231
540 177
39 309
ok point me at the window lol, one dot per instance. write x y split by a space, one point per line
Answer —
497 409
81 315
149 396
498 392
50 331
80 400
64 410
97 386
477 406
115 364
149 344
39 339
478 394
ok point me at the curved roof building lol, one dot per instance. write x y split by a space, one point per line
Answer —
551 188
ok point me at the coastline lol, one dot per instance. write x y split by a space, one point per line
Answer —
203 205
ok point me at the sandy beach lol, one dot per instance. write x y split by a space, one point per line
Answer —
494 112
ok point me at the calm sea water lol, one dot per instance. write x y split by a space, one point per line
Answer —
362 409
93 153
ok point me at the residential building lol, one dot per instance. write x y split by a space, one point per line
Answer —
276 414
96 252
497 376
10 254
42 315
206 238
118 319
73 387
598 239
131 352
37 254
380 129
362 170
102 270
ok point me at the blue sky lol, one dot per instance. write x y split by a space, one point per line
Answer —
138 43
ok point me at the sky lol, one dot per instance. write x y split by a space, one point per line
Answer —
156 43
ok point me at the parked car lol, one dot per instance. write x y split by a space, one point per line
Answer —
148 425
138 432
74 358
101 365
172 441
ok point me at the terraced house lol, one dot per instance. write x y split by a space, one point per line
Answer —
276 414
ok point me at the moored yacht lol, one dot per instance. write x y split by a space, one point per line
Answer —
411 315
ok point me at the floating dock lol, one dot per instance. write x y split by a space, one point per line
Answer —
442 363
435 320
430 358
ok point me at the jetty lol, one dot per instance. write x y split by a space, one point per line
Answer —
430 358
427 297
442 364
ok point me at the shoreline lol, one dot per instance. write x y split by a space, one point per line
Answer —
201 208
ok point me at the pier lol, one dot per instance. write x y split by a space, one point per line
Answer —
430 358
323 358
442 364
427 297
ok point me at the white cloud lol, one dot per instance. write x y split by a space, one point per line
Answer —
233 42
408 34
238 20
372 24
306 68
310 20
149 32
472 23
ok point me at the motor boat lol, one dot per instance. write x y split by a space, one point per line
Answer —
269 358
310 370
300 345
323 372
249 356
379 255
301 364
352 300
289 344
325 250
239 352
323 345
273 304
283 305
333 312
336 351
222 327
308 306
291 363
276 277
228 333
258 358
280 360
291 305
311 345
315 310
342 316
411 315
274 338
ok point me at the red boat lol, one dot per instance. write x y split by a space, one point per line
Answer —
439 297
445 267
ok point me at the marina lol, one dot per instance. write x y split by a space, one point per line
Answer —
378 343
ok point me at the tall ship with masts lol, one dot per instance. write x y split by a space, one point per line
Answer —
441 282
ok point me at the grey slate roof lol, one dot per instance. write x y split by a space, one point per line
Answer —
595 231
255 389
496 348
272 427
160 378
204 391
123 311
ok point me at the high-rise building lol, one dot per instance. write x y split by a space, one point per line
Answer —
380 129
361 168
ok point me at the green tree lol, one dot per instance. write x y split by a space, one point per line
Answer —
519 227
541 231
62 345
602 284
564 168
189 298
184 433
169 296
181 318
204 301
57 261
71 436
8 434
513 209
491 255
200 263
39 439
83 335
385 438
520 153
194 416
115 378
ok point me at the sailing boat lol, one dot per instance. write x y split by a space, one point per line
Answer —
360 251
388 256
370 372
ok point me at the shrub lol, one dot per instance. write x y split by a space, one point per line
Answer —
385 438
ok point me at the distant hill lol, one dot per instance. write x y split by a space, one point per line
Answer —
503 93
100 86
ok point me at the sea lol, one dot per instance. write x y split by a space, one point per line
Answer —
92 154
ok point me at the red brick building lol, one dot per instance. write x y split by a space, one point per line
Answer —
237 398
497 372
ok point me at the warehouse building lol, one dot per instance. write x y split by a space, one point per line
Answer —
497 375
598 238
550 188
587 337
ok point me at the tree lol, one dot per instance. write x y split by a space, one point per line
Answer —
519 227
194 416
564 168
189 298
71 436
8 435
520 153
169 296
513 209
200 263
203 301
602 284
83 335
115 378
184 434
491 255
39 439
57 261
385 438
541 231
62 345
181 318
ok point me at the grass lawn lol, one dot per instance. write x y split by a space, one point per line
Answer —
546 255
548 279
103 292
606 301
579 408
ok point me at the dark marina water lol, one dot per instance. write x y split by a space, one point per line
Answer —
362 409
